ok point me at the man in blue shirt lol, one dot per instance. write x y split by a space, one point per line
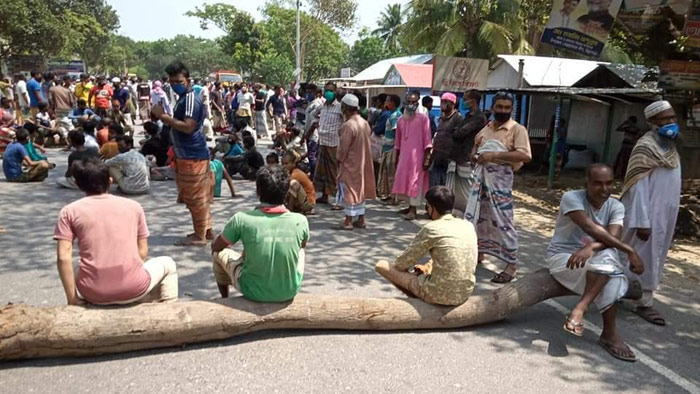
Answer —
193 177
16 155
279 108
80 114
36 95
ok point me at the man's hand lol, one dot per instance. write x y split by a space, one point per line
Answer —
578 259
158 111
643 233
636 264
75 300
486 157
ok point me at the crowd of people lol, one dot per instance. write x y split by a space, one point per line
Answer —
330 146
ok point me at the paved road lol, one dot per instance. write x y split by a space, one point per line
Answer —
527 352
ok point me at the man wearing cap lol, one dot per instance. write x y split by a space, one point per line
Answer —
651 196
450 119
355 166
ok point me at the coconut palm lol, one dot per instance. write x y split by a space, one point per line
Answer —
390 22
473 28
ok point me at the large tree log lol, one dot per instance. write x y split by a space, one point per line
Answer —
30 332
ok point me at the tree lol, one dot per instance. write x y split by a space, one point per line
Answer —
340 14
30 27
367 50
389 30
200 55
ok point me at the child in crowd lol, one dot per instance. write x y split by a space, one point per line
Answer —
220 173
272 159
248 163
77 141
301 196
111 148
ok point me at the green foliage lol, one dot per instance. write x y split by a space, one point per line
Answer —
200 55
367 50
390 23
340 14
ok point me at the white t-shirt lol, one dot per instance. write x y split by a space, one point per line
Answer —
91 142
21 90
568 236
245 100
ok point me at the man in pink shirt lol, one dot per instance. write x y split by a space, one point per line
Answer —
113 243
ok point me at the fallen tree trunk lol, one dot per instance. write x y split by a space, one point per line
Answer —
31 332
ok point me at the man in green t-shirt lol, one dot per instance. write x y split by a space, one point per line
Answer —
271 267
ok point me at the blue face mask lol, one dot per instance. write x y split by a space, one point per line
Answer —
179 88
669 131
310 97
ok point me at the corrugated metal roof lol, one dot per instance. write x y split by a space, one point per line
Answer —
551 71
415 75
378 70
570 90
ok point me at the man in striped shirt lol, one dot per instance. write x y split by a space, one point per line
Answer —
329 123
193 177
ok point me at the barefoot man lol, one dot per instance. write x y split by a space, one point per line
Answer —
583 255
193 175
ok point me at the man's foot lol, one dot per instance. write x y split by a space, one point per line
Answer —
359 224
410 216
337 208
344 226
574 327
404 211
192 240
651 315
617 348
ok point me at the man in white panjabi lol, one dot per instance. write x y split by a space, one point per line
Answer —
651 195
584 255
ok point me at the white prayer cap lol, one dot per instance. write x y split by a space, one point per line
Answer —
351 100
116 80
656 108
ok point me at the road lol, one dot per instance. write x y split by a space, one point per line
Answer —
528 352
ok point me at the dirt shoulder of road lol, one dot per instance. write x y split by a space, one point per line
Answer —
536 208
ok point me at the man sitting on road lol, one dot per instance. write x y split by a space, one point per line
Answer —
129 168
583 255
448 277
113 244
77 141
271 267
16 156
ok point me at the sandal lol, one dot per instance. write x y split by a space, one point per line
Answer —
337 208
188 241
571 327
651 315
616 351
503 277
357 225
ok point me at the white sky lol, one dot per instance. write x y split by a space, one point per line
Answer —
150 20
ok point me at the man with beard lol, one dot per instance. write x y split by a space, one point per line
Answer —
450 119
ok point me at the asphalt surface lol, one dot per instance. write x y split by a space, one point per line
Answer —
528 352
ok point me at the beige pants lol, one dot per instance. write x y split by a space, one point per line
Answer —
279 123
163 286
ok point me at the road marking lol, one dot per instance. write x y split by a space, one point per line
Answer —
669 374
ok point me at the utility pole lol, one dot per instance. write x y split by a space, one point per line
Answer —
298 69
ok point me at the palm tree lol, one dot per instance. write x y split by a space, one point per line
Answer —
472 28
389 30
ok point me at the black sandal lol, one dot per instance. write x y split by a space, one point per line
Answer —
503 277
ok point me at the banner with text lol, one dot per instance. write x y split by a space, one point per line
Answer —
457 74
581 27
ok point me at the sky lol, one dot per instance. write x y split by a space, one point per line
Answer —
150 20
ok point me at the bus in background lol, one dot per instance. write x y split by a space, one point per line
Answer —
226 77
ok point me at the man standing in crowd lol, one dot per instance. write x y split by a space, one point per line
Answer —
113 270
260 112
279 109
193 175
459 171
246 101
448 277
217 103
122 94
632 132
651 195
584 255
413 144
387 160
500 149
330 120
83 88
450 119
310 135
271 268
144 100
36 94
61 99
22 98
101 94
355 169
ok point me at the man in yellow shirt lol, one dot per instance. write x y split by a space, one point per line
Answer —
82 89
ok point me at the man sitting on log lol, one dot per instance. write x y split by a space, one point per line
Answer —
113 243
271 267
448 277
583 255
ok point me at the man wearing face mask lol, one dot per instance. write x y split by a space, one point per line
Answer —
194 179
102 95
355 167
330 119
459 170
500 149
651 196
450 118
413 144
129 168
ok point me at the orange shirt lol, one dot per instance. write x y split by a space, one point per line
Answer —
299 176
102 136
511 134
109 150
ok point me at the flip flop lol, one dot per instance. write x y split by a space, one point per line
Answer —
502 277
651 315
190 242
570 326
341 227
337 208
615 351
